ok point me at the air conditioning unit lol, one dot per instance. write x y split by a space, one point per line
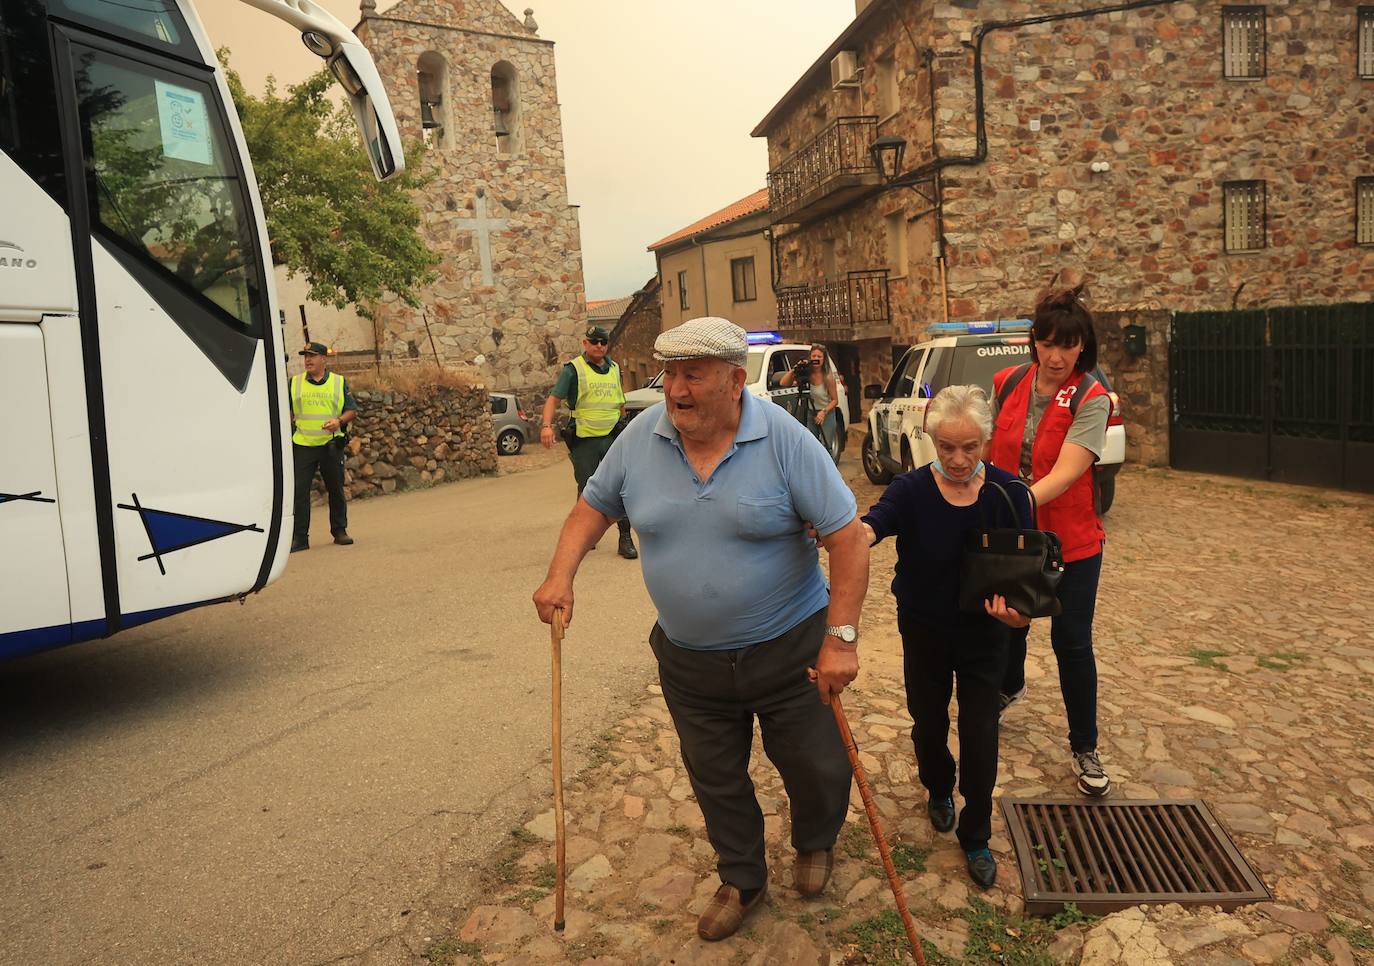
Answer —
844 70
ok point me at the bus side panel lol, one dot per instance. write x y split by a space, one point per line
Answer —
33 569
72 457
190 458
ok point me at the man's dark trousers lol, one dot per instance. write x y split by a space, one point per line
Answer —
586 454
713 697
329 459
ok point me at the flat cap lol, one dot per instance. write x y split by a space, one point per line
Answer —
705 338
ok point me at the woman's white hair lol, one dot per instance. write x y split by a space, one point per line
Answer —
960 403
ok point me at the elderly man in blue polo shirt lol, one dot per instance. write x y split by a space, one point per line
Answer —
719 483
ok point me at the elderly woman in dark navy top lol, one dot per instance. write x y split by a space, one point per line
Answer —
929 510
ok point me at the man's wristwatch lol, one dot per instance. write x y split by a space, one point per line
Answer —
845 632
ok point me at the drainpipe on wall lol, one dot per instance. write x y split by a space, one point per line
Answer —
705 287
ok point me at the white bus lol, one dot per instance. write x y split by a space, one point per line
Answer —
145 463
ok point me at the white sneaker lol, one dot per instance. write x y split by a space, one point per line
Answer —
1092 777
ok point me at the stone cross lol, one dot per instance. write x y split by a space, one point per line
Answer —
483 226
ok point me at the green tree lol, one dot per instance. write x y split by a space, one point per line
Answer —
328 218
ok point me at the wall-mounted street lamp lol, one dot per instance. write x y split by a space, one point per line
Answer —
887 152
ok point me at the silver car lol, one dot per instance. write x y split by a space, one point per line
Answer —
510 424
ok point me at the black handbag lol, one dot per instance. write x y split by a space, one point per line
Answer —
1022 564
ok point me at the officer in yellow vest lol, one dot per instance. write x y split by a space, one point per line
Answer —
321 406
590 385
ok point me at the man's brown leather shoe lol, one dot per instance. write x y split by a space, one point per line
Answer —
811 873
725 913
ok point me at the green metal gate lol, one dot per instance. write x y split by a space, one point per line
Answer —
1281 394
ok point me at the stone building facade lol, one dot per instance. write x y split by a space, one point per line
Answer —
1106 148
632 339
478 86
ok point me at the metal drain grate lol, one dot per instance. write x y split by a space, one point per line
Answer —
1104 856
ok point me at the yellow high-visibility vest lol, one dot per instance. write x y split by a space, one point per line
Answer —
313 406
599 398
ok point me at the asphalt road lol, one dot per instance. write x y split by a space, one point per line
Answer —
314 776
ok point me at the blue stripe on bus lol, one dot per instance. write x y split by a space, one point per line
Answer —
17 643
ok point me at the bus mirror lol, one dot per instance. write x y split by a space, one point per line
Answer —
352 66
350 63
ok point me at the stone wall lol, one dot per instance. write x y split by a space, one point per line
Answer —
518 311
407 441
1142 382
1141 90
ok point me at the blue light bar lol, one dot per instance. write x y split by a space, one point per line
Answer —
763 338
980 328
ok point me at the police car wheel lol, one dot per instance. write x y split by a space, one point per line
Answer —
509 443
1106 493
877 473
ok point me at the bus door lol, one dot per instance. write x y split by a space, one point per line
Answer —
188 382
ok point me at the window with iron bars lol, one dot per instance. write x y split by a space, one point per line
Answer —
1243 213
1242 42
1364 43
1364 211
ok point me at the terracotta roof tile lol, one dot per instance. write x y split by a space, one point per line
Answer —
601 310
748 205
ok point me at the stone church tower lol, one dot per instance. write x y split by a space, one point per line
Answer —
478 86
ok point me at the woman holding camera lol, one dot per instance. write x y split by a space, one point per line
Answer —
930 510
819 375
1050 427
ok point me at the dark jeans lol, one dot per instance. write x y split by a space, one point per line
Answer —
713 697
329 459
1071 633
586 453
935 661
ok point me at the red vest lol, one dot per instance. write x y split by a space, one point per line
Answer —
1072 515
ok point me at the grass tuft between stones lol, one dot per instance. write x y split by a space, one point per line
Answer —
1359 937
444 950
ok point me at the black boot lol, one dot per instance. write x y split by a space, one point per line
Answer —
299 543
342 538
627 546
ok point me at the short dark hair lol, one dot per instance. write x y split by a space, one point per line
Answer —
1062 319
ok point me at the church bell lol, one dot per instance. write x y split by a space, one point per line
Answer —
427 118
501 129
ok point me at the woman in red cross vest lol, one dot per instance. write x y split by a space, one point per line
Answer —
1049 427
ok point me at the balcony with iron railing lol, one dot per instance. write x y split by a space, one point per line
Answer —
825 173
847 309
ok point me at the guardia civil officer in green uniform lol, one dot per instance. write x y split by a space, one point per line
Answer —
321 406
590 385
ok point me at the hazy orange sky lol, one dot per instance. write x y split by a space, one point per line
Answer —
659 97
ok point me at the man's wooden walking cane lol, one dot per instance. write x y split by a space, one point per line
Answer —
560 846
871 810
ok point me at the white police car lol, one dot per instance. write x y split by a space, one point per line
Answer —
960 353
769 358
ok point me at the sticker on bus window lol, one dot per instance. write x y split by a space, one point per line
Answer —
185 123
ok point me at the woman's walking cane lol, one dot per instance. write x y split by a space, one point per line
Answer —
871 810
560 847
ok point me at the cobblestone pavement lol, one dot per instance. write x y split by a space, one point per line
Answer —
1236 666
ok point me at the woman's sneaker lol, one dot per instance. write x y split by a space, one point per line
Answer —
1092 777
